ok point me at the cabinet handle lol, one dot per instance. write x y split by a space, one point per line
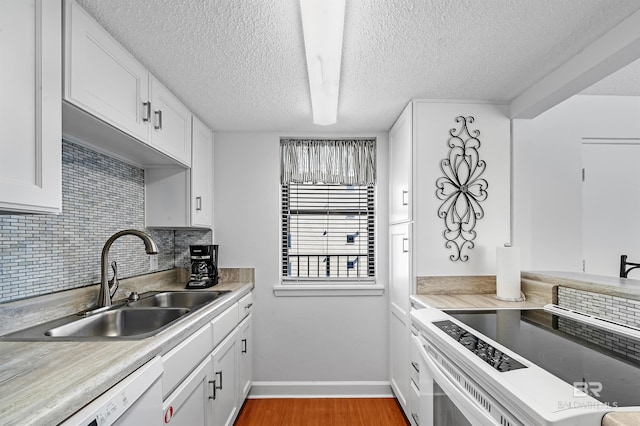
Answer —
405 245
218 374
248 306
213 382
405 198
416 418
198 203
416 366
244 346
158 125
147 107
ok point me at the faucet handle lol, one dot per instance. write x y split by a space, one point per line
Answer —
113 283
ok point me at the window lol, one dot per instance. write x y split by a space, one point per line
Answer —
328 211
328 231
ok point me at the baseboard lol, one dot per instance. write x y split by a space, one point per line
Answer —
321 390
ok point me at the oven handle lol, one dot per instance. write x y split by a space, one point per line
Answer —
453 390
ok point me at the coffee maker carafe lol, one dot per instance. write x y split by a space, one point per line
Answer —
204 266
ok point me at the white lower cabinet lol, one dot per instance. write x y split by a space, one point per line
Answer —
414 383
189 404
399 292
225 381
208 388
245 372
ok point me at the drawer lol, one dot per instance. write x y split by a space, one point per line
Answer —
244 305
182 359
224 323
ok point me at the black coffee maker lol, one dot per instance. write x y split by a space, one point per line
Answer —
204 266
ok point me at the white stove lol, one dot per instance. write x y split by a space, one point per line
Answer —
524 367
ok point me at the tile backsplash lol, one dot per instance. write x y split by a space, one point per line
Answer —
617 309
41 254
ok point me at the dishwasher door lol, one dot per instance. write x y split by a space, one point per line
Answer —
136 400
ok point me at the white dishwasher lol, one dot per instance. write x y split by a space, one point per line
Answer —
136 400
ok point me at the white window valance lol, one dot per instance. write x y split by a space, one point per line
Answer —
345 162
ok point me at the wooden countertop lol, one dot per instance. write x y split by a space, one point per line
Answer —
621 418
470 301
613 286
46 382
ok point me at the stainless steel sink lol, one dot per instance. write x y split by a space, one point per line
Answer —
177 299
125 322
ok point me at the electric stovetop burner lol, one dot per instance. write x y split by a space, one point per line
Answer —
604 363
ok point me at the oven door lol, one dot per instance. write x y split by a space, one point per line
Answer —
448 397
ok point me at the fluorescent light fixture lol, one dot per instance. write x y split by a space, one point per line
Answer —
323 25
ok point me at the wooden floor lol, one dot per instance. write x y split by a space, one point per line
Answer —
321 412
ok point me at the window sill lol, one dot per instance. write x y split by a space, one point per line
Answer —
315 290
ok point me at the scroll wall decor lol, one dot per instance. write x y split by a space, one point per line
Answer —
461 189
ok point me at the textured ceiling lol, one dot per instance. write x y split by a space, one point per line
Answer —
625 82
239 64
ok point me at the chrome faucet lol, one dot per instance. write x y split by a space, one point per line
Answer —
104 296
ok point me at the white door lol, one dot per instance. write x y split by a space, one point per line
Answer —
400 172
190 403
399 291
202 175
225 381
244 364
171 124
30 110
610 203
101 77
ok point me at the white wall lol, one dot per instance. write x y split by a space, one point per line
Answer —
297 339
433 121
547 181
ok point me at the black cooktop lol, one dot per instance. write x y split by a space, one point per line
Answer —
604 364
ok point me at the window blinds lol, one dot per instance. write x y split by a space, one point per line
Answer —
328 231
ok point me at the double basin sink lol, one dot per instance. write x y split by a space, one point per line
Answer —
138 319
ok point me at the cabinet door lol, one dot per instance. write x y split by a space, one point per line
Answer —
190 403
101 77
202 175
30 111
399 357
170 124
166 197
245 371
225 381
399 292
400 268
400 170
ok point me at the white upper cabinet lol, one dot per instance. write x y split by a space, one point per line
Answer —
138 119
202 176
183 198
170 123
400 167
101 77
30 114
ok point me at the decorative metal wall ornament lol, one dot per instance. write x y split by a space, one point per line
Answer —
462 189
